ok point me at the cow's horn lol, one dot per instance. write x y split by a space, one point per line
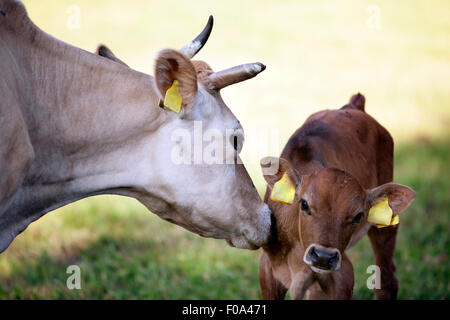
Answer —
195 45
236 74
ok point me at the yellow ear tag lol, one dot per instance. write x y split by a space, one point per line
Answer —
381 213
395 220
283 191
173 98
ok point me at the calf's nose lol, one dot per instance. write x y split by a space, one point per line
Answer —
322 257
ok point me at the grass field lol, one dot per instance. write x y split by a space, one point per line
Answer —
317 54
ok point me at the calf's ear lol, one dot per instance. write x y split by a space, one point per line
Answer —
281 177
175 79
399 196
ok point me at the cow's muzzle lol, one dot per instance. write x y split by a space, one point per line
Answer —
322 259
255 235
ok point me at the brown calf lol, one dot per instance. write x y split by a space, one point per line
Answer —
340 164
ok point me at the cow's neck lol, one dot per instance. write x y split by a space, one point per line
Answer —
87 117
89 114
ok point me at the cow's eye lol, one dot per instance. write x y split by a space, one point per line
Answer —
237 141
357 218
304 205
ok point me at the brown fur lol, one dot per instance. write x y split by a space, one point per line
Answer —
362 150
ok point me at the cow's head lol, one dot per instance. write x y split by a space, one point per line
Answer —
328 208
195 178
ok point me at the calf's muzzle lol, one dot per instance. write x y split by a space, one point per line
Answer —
322 259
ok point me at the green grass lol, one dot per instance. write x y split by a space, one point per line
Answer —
423 243
317 54
127 253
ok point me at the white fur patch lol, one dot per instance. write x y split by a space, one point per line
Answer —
318 270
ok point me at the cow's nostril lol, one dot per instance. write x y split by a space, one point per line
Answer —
334 258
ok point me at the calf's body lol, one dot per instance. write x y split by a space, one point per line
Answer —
336 161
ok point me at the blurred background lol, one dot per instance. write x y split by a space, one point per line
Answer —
318 53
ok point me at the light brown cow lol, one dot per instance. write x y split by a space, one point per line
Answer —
74 124
340 164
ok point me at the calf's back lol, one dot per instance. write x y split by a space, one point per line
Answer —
348 139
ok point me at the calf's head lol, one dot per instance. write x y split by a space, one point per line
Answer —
194 176
327 207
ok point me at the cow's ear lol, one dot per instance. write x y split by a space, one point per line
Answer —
176 79
281 177
399 196
104 51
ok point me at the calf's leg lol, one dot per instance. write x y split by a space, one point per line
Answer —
300 283
383 240
315 292
271 288
383 244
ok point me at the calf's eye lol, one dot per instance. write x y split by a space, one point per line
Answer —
358 218
304 205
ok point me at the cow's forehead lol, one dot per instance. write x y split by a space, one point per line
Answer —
203 71
201 66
